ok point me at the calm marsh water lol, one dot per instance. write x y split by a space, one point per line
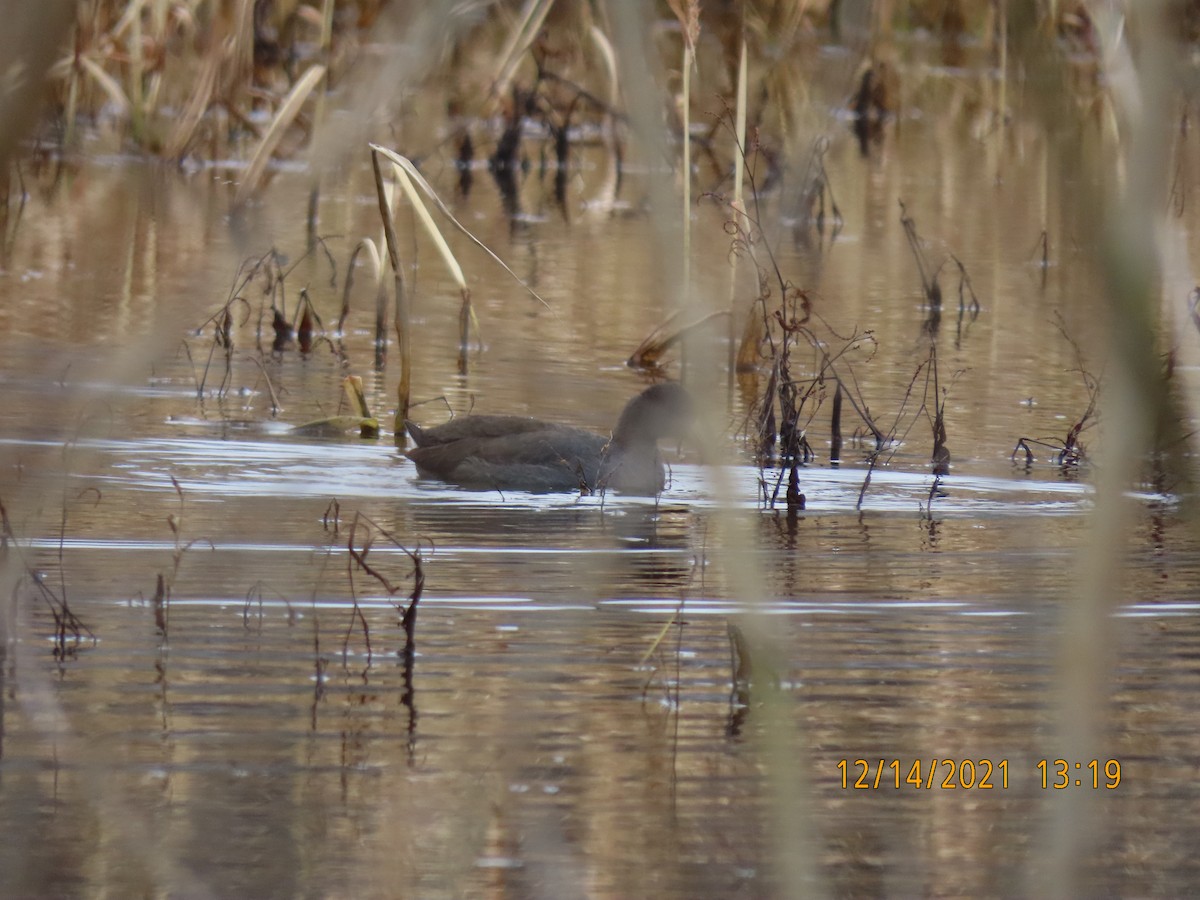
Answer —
553 737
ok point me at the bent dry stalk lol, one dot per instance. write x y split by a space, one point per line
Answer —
415 187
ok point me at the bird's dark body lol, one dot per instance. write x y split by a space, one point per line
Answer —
489 452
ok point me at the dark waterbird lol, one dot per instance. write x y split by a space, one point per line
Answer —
515 453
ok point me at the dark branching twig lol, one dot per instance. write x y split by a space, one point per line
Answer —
1069 452
254 603
359 550
162 591
929 276
69 630
816 187
781 415
270 268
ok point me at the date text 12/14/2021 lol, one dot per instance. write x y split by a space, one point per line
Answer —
974 774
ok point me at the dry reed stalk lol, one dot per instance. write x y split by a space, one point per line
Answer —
126 32
688 14
466 314
609 57
1002 64
197 106
403 318
533 14
742 224
283 119
376 276
327 27
407 177
781 751
605 198
413 183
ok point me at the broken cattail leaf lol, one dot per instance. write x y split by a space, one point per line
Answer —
466 156
283 332
650 351
352 385
225 330
360 420
304 333
336 426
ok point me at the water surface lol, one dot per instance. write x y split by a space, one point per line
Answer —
568 725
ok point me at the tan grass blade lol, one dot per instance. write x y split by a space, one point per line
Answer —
376 259
405 182
130 20
137 67
422 211
283 119
466 317
416 178
604 45
107 83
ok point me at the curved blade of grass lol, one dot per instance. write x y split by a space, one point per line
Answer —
414 197
609 56
417 179
284 118
435 234
107 83
130 17
376 259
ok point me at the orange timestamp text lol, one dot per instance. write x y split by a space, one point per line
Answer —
927 774
972 774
